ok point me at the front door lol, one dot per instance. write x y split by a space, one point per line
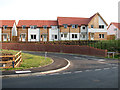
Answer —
92 36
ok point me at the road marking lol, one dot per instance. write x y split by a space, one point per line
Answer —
54 74
97 69
78 71
67 72
22 71
41 75
114 67
106 68
88 70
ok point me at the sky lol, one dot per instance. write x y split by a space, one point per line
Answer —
51 9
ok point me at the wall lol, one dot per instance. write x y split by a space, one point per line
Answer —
7 31
34 32
53 32
0 34
20 31
75 49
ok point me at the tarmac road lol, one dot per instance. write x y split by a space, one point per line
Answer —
84 72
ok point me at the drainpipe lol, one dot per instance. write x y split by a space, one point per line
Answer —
79 33
69 33
87 34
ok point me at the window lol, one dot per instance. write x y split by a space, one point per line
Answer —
75 35
83 27
92 26
54 27
65 35
83 36
22 36
33 27
76 26
65 26
115 29
55 36
101 26
102 35
5 27
72 35
33 36
5 36
73 26
23 26
45 27
61 35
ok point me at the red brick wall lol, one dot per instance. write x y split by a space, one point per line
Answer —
75 49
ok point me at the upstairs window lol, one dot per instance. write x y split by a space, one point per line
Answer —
74 26
33 27
23 26
83 27
115 29
5 26
101 26
54 27
92 26
45 27
65 26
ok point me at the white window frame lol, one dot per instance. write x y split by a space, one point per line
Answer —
33 36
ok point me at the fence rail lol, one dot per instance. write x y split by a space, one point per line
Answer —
10 61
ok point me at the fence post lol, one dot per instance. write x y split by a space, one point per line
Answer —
13 62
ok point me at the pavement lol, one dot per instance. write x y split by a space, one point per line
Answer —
58 63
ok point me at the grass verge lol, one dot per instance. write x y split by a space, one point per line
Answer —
29 60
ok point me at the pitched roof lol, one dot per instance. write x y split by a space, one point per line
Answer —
117 25
72 20
77 20
8 23
39 23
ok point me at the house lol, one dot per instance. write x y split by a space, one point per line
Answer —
76 28
7 30
37 30
114 29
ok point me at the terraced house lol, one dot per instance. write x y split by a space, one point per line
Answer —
75 28
7 30
37 30
64 28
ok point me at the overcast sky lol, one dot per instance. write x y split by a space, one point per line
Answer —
50 9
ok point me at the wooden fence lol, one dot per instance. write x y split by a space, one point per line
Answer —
11 61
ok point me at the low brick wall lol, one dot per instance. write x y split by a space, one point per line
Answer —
75 49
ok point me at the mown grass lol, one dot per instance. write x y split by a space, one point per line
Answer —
29 60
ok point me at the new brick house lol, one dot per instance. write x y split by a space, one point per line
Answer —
114 29
64 28
75 28
7 30
37 30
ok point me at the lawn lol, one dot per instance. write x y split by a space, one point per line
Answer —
29 60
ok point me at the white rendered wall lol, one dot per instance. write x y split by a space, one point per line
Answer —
62 38
34 32
74 38
53 32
